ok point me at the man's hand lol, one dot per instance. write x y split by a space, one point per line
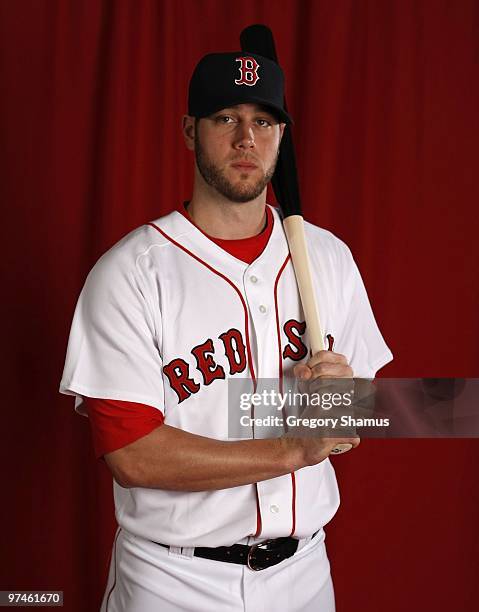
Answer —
324 364
315 449
171 459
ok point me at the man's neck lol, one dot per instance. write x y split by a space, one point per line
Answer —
221 218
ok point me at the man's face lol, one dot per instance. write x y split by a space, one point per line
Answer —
236 150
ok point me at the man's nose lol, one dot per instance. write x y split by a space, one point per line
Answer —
244 137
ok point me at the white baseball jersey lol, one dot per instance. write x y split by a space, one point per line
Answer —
166 317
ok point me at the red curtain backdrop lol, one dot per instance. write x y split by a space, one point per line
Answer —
385 98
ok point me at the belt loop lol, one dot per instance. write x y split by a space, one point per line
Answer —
182 552
302 543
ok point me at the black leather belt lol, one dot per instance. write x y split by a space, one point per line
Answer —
257 557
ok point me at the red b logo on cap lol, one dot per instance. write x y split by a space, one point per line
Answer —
248 70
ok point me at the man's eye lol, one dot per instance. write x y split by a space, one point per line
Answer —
224 119
263 122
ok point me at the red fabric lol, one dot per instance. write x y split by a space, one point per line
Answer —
384 96
116 423
246 249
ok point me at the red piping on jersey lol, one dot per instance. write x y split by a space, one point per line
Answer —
278 331
113 555
233 247
280 376
248 347
293 502
259 523
198 259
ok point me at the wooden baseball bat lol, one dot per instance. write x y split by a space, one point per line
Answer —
259 39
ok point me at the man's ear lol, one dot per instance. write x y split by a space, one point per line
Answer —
281 130
188 127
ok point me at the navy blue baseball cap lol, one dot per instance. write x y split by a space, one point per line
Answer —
221 80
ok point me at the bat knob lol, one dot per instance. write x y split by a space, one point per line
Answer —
341 448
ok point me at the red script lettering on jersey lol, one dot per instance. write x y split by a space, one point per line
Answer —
178 371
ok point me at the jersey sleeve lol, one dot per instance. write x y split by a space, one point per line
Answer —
114 344
115 423
359 338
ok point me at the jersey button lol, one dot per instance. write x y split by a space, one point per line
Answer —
262 309
254 279
274 508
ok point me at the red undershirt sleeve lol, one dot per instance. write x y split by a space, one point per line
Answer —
116 423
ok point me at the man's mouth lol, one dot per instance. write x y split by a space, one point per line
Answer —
244 165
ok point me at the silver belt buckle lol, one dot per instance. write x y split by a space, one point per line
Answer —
251 561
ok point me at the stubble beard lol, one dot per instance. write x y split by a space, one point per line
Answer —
215 177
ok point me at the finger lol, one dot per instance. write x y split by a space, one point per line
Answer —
302 372
326 357
332 370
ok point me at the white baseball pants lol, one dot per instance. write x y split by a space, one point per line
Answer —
146 577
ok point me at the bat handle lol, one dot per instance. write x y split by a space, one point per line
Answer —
294 230
295 234
341 448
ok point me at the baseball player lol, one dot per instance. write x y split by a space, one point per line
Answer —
166 318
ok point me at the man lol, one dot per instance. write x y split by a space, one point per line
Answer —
170 314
